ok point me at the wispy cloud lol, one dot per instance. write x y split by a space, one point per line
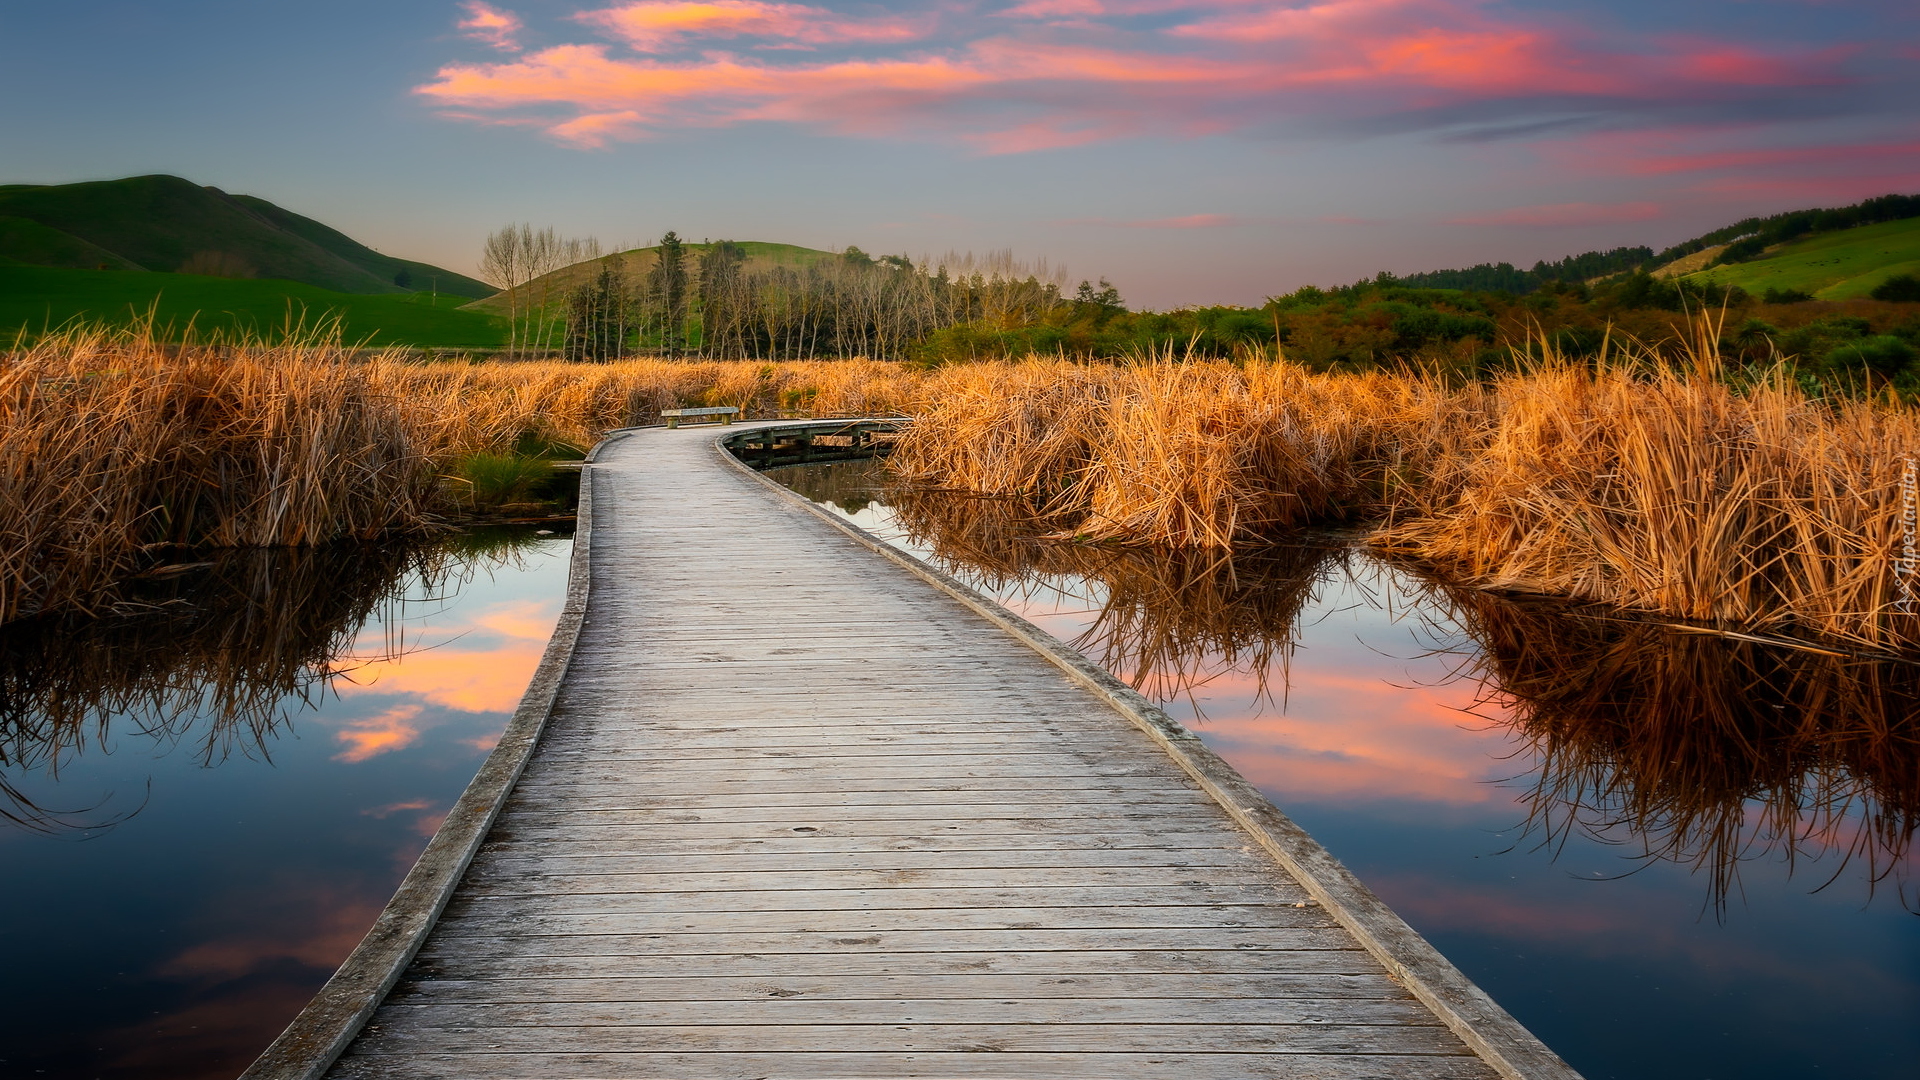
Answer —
1051 73
657 26
500 29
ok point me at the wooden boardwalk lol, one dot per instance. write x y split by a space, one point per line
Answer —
797 812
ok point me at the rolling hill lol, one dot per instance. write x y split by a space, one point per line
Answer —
1832 266
169 225
1835 252
38 298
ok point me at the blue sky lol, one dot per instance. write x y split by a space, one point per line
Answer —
1191 150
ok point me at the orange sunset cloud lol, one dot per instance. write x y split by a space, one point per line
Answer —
499 29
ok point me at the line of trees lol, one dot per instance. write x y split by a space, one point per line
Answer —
519 261
715 301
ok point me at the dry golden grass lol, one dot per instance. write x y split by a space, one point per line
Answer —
115 448
111 446
1632 484
1672 493
1197 454
1661 490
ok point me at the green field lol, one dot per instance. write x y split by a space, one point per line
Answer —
1832 266
37 298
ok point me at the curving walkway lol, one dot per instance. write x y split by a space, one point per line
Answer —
799 811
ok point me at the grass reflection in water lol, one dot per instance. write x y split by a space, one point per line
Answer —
1697 748
217 656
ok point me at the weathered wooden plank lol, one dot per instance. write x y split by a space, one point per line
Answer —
910 815
534 919
965 1065
488 877
657 841
1031 927
765 1010
626 935
1302 987
826 902
388 1036
668 827
435 963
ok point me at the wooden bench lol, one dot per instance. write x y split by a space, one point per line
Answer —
726 413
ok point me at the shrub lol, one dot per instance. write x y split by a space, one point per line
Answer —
1901 288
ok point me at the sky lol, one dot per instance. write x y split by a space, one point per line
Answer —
1192 151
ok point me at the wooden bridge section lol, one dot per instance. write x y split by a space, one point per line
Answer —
801 811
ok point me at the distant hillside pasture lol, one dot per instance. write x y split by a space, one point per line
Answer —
1844 265
170 225
35 299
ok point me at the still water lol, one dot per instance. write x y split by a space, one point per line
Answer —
1672 856
206 798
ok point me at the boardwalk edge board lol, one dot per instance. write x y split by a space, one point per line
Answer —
322 1031
1489 1030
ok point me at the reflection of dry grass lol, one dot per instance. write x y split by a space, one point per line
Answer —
218 657
1170 619
1707 751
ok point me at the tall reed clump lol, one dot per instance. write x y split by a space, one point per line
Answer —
1196 454
112 445
456 409
115 447
1674 493
1742 503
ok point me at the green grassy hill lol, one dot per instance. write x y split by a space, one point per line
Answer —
36 298
170 225
1832 266
635 263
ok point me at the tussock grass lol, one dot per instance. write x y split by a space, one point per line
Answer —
1673 493
1196 454
1752 506
116 448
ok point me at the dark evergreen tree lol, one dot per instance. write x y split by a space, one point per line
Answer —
667 289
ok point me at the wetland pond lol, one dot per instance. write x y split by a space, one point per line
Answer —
206 798
1672 855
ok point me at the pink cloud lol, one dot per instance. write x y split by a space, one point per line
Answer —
1559 215
654 26
500 29
1220 65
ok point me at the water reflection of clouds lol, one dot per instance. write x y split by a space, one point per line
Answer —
481 665
359 689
